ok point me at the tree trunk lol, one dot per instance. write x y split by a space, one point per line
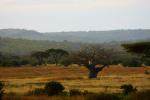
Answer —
93 71
92 74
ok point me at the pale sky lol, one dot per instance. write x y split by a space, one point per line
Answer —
75 15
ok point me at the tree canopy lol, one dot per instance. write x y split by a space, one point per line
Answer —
142 48
56 54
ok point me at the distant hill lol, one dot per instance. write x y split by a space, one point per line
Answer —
80 36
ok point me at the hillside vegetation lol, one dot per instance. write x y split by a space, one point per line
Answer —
79 36
23 46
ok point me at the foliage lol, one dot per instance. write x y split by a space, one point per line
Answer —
128 88
13 60
132 61
92 56
53 88
56 55
1 89
141 49
138 48
95 54
39 56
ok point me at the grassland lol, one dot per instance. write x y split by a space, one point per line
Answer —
22 79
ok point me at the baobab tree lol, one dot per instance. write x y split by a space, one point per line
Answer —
91 56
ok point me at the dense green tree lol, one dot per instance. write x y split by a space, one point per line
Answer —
55 55
40 56
141 49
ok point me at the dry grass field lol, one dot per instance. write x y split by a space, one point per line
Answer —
23 79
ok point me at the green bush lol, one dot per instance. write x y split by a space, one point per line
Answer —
132 62
54 88
128 88
1 89
102 96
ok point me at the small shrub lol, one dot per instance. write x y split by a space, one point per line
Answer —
53 88
37 91
128 88
102 96
1 89
75 92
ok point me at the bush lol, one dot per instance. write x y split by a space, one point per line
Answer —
102 96
128 88
54 88
132 62
1 89
33 62
75 92
37 91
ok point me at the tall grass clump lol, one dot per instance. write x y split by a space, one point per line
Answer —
127 89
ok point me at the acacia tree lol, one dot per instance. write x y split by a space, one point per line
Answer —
40 55
141 49
91 56
55 55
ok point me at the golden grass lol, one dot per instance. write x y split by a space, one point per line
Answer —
23 79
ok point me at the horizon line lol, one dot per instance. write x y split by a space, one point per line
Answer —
75 30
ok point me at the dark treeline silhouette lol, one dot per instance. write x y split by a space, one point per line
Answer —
142 49
93 57
89 55
50 56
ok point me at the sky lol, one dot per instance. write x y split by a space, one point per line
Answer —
74 15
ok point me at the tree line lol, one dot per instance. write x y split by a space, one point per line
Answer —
93 57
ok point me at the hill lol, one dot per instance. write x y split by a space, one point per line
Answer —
80 36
